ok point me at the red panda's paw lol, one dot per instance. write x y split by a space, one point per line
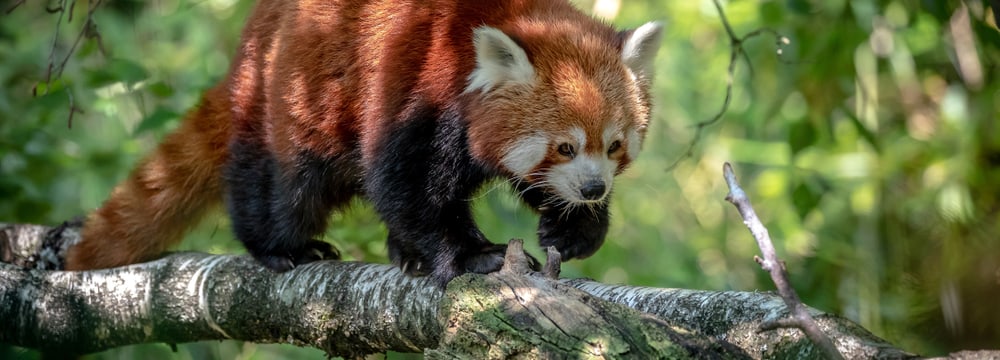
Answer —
487 260
413 267
577 233
313 251
491 259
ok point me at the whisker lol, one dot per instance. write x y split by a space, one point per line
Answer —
495 186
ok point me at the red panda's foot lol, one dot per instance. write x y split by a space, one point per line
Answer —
314 250
414 267
489 259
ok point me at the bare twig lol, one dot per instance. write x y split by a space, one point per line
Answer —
736 50
55 43
14 6
56 63
800 317
73 109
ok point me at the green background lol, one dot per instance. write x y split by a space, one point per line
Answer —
869 143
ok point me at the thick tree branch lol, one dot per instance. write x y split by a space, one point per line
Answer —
351 308
344 308
516 312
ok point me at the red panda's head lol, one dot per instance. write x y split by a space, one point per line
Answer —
562 107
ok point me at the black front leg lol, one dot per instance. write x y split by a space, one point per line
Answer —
420 181
576 231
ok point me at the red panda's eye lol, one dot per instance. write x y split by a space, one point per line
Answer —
615 145
567 150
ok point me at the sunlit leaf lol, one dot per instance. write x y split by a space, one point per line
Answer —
45 88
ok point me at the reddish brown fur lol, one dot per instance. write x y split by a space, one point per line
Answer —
166 193
587 94
328 76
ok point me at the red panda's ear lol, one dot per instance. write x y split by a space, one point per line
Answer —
499 60
640 48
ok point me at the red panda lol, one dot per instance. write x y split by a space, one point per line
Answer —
411 104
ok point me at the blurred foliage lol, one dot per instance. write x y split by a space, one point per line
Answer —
869 143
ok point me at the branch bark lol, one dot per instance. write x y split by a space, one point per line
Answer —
350 309
344 308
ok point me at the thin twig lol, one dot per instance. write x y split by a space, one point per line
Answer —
735 51
54 69
14 6
800 317
55 43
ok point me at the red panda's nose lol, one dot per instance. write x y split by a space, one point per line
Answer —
592 190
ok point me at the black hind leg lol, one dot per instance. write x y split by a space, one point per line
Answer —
276 213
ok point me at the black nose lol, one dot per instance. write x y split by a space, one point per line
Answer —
592 190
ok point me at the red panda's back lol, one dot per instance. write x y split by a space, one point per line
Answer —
321 73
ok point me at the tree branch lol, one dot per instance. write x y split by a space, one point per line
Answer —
348 308
510 314
737 316
344 308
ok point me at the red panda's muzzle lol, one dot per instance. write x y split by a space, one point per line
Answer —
585 179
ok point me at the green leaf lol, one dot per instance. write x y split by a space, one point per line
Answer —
772 12
800 7
128 71
45 88
801 135
116 70
156 120
806 197
54 99
99 78
161 89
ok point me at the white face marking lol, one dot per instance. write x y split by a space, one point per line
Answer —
568 178
525 153
634 143
580 136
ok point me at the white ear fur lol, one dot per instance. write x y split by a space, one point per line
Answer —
498 60
640 48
